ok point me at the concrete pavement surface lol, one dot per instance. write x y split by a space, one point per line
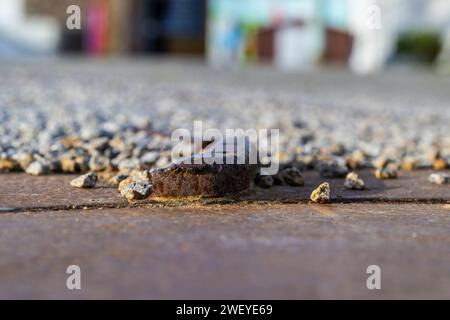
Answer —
285 251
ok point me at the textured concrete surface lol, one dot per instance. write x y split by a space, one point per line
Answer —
272 251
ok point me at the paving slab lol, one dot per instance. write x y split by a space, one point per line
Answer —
19 191
23 192
237 251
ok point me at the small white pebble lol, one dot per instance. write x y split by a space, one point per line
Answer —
439 178
88 180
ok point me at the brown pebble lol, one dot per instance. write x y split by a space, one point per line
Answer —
439 164
69 165
205 180
8 164
409 164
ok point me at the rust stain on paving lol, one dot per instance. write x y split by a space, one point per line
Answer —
326 210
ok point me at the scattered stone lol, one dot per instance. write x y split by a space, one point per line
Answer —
81 164
308 160
264 181
205 180
125 182
141 175
337 149
439 164
69 142
381 162
118 178
149 158
332 169
37 168
69 165
24 159
433 154
353 182
106 175
137 190
127 165
357 159
409 164
321 194
292 177
99 163
98 145
389 171
88 180
8 164
439 178
55 165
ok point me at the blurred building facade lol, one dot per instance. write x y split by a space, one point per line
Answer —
21 34
299 34
290 34
121 26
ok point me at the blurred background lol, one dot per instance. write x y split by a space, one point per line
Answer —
364 36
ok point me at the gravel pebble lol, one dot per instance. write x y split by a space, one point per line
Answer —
353 182
264 181
37 168
88 180
137 190
141 175
8 164
124 183
321 194
118 178
439 178
332 168
439 164
292 177
387 172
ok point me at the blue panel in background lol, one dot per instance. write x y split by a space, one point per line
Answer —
184 18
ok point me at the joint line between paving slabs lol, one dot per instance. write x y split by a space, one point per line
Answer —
211 202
